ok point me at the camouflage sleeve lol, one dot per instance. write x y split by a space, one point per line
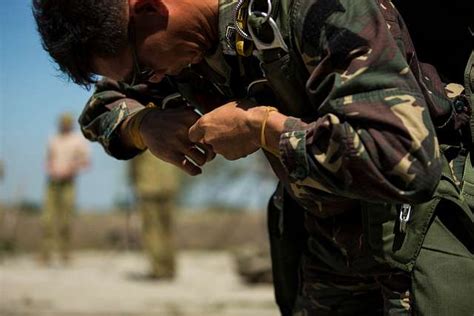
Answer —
373 138
111 103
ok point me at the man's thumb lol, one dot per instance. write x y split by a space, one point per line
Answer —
196 132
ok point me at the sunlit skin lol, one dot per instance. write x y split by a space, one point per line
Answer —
170 35
64 128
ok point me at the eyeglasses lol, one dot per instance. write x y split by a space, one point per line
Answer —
139 74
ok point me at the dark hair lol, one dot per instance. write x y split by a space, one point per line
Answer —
73 31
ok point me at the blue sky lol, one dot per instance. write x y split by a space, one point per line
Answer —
33 95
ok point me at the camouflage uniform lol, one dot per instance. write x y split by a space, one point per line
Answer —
372 108
155 184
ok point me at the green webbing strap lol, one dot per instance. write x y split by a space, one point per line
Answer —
468 174
468 182
469 89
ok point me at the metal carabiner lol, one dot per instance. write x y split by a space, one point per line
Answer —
277 42
237 19
268 13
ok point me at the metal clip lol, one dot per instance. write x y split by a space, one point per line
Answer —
266 15
405 211
278 41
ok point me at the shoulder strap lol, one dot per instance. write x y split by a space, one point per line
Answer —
469 88
270 31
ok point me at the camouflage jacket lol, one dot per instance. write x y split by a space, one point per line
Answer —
374 106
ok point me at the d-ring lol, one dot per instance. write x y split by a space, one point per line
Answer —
265 16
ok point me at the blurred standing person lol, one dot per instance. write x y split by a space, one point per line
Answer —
67 155
2 170
155 184
2 175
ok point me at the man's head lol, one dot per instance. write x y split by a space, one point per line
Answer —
66 123
117 38
74 31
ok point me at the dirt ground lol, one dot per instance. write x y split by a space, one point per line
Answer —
110 284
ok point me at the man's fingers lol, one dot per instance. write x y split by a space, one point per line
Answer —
185 164
208 151
190 168
197 155
196 133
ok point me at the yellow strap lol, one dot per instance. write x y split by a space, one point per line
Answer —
263 142
242 46
133 126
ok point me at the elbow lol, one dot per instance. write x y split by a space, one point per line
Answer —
424 185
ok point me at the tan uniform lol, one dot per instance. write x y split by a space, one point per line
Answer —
67 155
2 170
155 183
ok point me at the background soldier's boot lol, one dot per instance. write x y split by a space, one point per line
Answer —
64 245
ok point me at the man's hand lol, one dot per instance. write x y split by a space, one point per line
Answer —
165 133
232 130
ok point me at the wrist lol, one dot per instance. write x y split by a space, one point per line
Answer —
133 128
267 123
256 117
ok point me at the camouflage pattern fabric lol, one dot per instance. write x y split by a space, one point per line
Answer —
373 87
111 103
56 219
373 122
352 295
371 136
375 125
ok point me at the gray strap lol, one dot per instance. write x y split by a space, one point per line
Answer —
467 190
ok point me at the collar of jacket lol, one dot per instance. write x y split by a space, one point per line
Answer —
226 26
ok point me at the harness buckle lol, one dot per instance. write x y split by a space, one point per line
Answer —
277 41
405 212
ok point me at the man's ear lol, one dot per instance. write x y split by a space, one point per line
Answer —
149 15
147 7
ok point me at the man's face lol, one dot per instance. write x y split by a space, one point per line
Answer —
164 38
65 127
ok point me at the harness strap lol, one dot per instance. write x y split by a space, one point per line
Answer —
469 89
467 190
